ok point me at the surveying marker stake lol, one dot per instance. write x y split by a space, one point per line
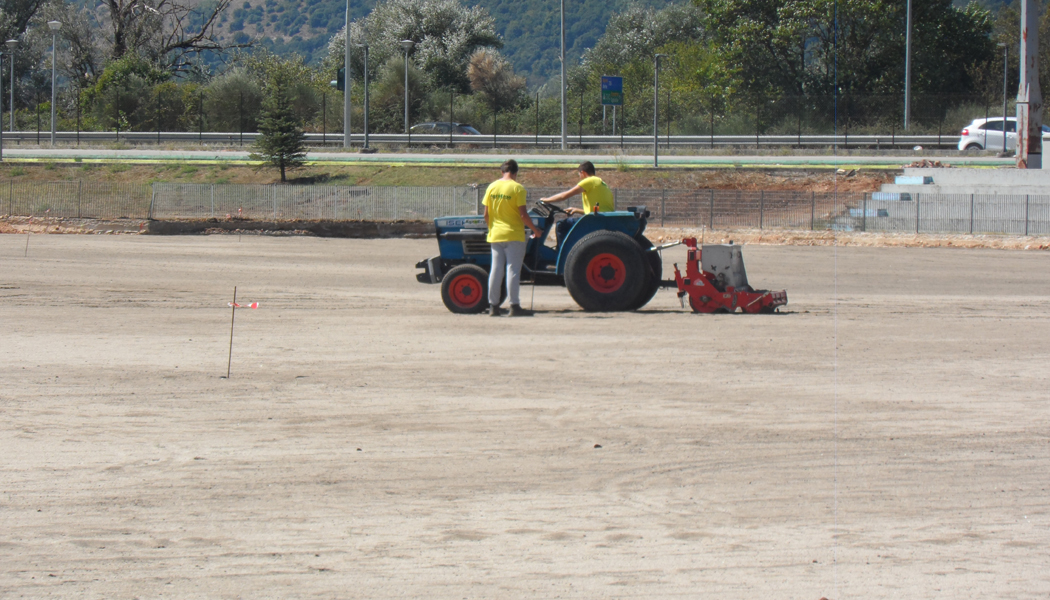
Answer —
233 313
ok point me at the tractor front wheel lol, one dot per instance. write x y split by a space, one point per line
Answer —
465 289
605 271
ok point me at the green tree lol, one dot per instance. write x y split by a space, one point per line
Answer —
121 95
806 47
281 143
445 33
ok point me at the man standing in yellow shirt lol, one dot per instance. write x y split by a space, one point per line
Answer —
595 194
507 218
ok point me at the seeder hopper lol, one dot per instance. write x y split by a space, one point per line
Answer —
715 281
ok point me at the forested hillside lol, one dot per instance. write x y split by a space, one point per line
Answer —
529 27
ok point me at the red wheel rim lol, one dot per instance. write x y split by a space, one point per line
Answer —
606 273
466 291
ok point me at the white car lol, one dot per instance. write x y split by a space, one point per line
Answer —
988 134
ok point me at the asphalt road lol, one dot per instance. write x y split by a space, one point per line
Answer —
438 158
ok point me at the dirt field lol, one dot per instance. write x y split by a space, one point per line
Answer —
815 180
887 437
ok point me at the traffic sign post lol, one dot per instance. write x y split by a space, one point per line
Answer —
612 91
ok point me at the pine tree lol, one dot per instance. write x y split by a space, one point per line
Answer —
281 142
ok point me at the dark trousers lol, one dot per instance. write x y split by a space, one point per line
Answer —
563 227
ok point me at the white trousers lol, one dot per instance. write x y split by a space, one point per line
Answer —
509 256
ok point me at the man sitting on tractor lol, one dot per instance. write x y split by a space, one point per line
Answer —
595 194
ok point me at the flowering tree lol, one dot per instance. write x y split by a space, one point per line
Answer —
445 33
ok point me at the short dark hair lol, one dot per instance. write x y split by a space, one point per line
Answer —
511 166
587 167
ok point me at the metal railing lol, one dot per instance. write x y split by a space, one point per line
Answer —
888 141
714 209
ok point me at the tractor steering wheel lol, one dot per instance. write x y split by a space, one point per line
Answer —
551 209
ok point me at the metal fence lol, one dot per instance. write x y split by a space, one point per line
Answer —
714 209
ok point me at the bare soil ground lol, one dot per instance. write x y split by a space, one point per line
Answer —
885 437
816 180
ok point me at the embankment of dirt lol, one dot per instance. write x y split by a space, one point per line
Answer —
413 229
660 235
343 229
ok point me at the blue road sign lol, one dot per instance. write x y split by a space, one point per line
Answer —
612 91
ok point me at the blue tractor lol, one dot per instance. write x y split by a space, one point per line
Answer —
604 260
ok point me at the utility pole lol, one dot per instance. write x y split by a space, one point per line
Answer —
907 69
564 100
1029 98
346 80
656 111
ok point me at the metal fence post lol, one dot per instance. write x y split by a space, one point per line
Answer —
477 200
711 222
1026 214
696 200
812 211
917 198
864 214
152 199
80 197
213 200
274 196
761 209
971 213
663 207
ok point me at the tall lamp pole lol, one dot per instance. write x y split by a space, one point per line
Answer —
11 45
1029 153
564 99
1006 56
907 69
346 80
365 47
1 107
406 45
656 111
55 26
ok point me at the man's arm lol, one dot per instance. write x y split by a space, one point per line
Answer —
527 220
488 218
564 195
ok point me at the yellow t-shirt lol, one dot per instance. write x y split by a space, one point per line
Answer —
503 197
595 192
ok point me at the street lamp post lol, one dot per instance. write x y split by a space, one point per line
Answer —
907 69
346 80
1 106
11 45
1006 56
564 99
365 47
55 26
407 45
656 111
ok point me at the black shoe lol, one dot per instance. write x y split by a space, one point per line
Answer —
518 311
495 311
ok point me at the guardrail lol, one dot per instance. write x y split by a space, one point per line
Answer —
877 142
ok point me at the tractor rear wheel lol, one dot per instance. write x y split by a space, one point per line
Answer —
605 271
653 275
465 289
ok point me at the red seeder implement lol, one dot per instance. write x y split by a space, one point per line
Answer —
719 284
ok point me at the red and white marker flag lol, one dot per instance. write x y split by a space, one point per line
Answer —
235 305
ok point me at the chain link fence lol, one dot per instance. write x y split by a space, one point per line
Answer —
714 209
